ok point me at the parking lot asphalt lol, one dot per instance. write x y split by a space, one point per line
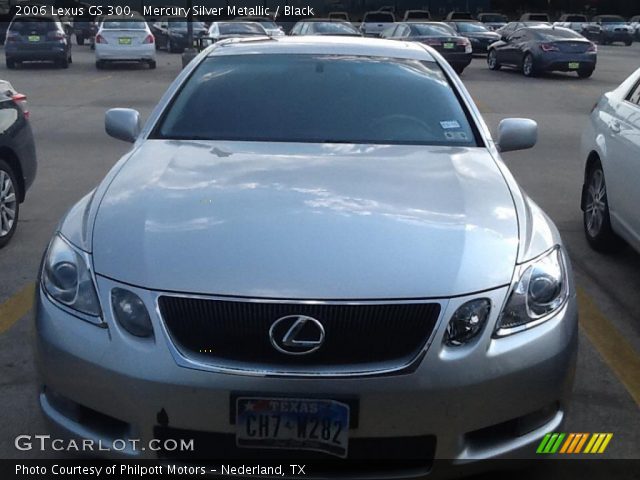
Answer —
67 112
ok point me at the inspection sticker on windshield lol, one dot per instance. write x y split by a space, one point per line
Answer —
450 124
459 136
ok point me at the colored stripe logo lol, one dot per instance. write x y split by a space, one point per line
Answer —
574 443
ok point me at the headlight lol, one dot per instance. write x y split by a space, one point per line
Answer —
467 322
541 290
131 312
67 279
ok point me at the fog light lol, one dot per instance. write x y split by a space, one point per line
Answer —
131 313
467 322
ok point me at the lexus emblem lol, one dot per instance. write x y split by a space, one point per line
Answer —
296 335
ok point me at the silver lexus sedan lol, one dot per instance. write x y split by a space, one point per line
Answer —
313 249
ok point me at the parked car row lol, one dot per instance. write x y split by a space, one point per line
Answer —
43 38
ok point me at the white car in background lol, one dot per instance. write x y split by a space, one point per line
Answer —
611 146
125 40
374 23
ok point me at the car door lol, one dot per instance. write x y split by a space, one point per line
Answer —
623 169
512 50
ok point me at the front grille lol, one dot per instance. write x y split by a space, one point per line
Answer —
358 337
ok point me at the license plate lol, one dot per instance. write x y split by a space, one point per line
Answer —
33 38
293 424
124 41
448 45
574 65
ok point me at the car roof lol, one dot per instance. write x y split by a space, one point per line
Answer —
356 46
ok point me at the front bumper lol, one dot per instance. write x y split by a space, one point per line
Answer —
463 397
144 52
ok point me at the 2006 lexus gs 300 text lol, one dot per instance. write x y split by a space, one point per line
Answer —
313 245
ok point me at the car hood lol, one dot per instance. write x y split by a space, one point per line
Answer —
288 220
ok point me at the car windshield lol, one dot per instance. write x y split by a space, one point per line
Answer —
552 34
124 25
38 25
233 28
612 20
431 30
494 18
182 24
540 17
471 27
576 18
318 99
334 27
378 17
268 24
418 15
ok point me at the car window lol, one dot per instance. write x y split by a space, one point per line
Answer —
373 101
552 34
124 25
575 18
471 27
378 17
634 94
403 31
236 28
334 27
182 25
432 30
493 18
612 19
38 25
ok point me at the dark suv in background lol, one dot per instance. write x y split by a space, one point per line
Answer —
38 38
17 158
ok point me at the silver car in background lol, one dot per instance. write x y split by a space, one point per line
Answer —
344 265
611 147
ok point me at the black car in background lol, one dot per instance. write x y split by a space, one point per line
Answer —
440 36
37 38
171 33
544 49
478 34
17 158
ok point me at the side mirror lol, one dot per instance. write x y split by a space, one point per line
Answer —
123 124
504 38
517 134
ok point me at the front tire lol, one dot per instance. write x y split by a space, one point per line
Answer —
528 66
152 64
63 63
100 64
11 64
9 204
596 219
492 60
